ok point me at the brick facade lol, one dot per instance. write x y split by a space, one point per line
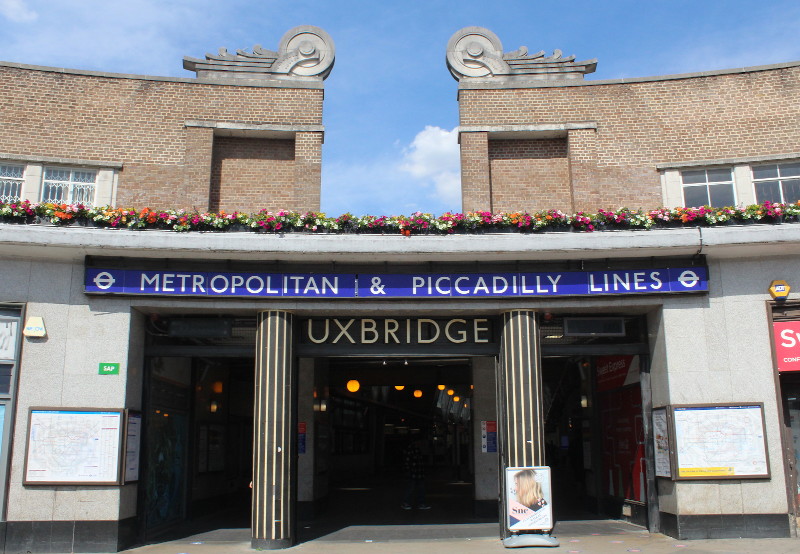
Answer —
638 125
142 123
529 174
248 172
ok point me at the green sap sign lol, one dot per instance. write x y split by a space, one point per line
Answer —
108 369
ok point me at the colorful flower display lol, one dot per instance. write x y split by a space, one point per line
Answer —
285 221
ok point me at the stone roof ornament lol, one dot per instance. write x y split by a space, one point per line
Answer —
304 53
475 52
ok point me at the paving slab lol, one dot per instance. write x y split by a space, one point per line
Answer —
576 537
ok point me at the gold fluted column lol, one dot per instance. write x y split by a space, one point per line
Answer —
520 394
273 433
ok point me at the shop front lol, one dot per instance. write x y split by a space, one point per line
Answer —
459 359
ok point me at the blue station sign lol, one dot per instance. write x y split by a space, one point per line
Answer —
394 285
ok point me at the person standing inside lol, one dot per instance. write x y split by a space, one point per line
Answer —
415 473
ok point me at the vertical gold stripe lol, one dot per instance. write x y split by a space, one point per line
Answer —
274 413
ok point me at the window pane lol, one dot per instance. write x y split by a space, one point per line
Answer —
765 172
53 192
12 171
721 195
53 174
717 175
695 196
9 190
791 190
790 170
5 378
694 176
768 190
83 176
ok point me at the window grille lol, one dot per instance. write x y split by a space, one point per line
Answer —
11 182
708 187
777 182
68 186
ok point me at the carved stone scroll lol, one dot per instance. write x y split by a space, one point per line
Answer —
475 52
305 53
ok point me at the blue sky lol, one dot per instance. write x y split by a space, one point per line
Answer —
390 103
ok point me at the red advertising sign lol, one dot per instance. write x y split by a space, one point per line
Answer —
787 345
616 371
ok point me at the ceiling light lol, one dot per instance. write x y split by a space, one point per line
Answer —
353 385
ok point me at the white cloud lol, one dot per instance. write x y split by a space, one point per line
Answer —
433 157
423 176
17 11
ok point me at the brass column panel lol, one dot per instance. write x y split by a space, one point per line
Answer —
520 391
273 433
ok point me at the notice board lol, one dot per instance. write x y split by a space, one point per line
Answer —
74 446
661 443
133 446
720 441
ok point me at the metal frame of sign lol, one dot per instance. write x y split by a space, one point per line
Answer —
134 450
674 440
119 445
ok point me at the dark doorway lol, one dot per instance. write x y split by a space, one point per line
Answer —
367 414
594 437
198 440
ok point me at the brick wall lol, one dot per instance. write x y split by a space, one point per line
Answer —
140 123
643 124
249 172
529 174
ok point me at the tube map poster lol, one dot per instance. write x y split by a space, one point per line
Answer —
720 441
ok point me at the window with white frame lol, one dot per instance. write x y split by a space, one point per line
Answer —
708 187
69 186
11 179
777 182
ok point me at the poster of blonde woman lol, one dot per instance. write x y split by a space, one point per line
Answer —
529 500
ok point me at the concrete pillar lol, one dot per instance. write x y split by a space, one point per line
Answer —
274 435
520 391
484 408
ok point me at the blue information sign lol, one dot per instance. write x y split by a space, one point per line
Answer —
393 285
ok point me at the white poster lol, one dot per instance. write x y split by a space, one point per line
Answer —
661 443
529 499
8 339
72 446
133 442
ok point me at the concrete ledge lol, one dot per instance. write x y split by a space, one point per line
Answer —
64 161
288 83
490 84
730 161
542 130
234 129
34 242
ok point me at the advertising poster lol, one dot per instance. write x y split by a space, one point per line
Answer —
787 345
661 442
529 499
